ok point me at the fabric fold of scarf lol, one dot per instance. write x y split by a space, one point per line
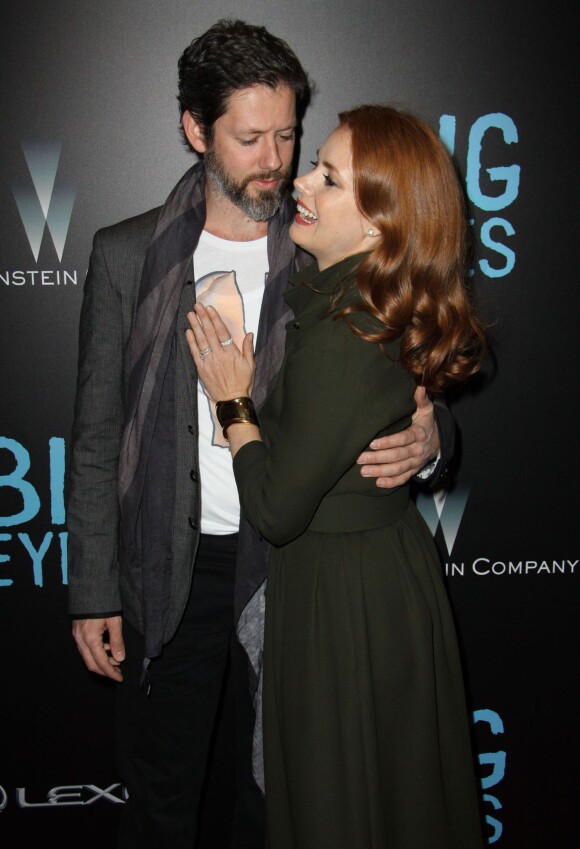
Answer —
147 456
147 463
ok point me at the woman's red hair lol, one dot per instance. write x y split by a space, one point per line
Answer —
413 281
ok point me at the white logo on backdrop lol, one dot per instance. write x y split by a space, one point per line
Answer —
45 203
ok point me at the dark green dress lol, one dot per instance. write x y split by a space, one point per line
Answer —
366 735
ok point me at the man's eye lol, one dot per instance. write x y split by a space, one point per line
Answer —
247 142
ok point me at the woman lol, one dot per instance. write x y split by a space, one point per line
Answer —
366 736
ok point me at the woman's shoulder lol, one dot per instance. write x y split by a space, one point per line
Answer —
348 339
357 321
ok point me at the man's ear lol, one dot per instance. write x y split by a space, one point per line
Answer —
194 132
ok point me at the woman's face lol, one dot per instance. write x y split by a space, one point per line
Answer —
328 223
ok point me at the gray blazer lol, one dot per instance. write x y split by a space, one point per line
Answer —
98 584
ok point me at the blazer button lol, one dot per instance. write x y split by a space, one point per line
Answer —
189 282
192 524
193 475
296 325
190 428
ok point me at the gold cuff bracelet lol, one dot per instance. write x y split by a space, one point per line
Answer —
236 411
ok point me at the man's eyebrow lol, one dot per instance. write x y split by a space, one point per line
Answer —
248 131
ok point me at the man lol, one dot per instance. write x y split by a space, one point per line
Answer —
153 515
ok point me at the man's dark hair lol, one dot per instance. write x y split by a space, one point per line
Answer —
230 56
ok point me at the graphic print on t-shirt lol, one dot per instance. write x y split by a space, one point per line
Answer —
220 290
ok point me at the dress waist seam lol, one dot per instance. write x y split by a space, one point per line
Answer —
349 512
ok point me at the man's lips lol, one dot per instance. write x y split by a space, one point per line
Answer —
268 181
266 184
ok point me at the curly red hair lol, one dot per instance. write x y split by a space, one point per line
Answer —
413 281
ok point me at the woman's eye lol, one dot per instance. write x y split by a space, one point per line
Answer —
328 181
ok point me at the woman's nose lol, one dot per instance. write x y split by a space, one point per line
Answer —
301 184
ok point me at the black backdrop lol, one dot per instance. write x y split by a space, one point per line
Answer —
90 120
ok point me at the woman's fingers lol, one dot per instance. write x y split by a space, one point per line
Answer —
213 327
196 338
248 349
224 370
221 330
204 330
208 334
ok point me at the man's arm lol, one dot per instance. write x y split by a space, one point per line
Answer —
395 459
92 499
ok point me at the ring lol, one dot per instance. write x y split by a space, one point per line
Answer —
203 354
227 342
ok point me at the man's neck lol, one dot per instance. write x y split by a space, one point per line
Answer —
227 221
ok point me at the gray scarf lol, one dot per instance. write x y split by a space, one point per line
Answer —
148 451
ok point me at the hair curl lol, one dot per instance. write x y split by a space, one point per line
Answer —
413 281
229 56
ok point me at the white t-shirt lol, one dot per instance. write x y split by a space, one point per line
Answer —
231 277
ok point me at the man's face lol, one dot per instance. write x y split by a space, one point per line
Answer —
249 157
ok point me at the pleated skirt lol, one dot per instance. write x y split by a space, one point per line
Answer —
366 732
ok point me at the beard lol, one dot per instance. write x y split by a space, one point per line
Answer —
260 207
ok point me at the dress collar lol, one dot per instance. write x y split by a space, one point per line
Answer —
311 288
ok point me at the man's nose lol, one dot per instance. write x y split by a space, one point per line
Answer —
270 158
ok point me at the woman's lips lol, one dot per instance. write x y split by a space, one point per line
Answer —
304 215
299 220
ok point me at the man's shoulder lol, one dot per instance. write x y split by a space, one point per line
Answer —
137 228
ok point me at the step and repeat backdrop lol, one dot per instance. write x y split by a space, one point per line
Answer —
90 136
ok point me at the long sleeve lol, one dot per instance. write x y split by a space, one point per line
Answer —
446 427
445 424
92 507
336 392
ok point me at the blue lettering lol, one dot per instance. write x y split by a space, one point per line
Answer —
37 556
63 537
510 175
56 454
15 480
447 127
497 759
489 242
5 558
492 718
492 821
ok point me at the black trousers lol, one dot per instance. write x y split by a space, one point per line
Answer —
163 739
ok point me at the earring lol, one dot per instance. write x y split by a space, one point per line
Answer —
370 232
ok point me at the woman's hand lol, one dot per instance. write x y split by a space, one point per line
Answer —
225 371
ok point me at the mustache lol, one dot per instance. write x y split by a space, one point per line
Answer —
279 174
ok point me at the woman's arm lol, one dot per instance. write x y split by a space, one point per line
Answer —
334 403
338 393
